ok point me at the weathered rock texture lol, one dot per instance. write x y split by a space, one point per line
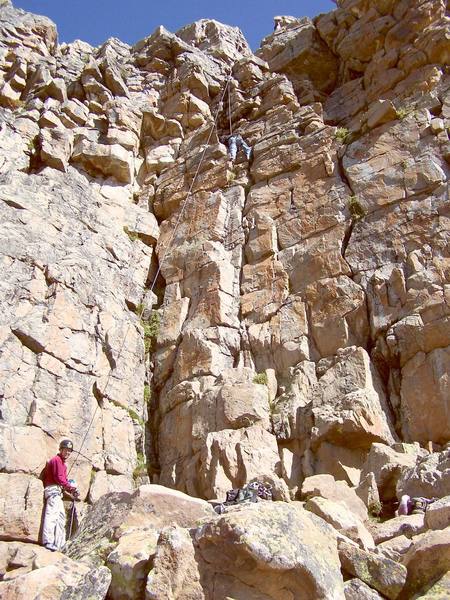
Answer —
202 323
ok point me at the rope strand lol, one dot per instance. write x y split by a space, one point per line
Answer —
164 256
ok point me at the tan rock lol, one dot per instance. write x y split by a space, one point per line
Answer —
339 314
368 178
264 288
388 466
437 515
222 550
355 589
231 458
351 389
339 516
55 148
21 506
424 376
408 525
130 562
383 574
439 590
115 514
396 548
104 483
175 571
326 487
428 477
18 558
299 52
110 161
218 40
427 561
56 581
367 490
282 341
381 111
262 240
76 111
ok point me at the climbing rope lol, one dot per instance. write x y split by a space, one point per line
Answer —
229 105
163 257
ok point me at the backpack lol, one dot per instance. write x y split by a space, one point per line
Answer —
41 475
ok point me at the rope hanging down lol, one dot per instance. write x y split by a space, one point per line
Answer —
163 257
229 104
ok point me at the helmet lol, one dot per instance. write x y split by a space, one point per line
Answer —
66 444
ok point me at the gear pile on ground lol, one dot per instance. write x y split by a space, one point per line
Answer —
200 324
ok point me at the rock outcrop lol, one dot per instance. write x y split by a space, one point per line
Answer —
200 324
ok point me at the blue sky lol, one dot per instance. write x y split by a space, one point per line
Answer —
94 21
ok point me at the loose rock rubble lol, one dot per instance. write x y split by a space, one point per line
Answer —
200 325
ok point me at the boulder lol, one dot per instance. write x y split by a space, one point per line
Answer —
299 52
150 507
408 525
396 548
55 148
34 572
339 516
367 490
325 486
130 562
258 551
439 590
383 574
437 515
427 560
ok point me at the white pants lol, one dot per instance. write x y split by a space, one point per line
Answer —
54 529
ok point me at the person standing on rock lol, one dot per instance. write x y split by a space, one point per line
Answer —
235 143
55 483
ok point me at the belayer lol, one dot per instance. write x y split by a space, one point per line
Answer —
55 481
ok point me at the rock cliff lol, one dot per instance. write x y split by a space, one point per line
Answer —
197 323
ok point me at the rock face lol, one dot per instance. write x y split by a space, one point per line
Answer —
200 324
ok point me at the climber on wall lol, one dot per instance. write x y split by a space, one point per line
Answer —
55 481
236 142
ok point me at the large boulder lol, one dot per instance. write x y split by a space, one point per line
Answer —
342 519
383 574
427 560
326 486
130 562
266 550
150 506
298 51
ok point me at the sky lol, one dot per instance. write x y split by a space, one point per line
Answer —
94 21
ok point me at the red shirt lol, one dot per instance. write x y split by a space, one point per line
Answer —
56 473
